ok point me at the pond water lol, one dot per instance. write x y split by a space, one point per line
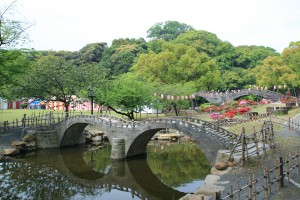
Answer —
168 172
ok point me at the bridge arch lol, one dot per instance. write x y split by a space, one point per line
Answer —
144 133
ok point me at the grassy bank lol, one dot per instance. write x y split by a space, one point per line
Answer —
13 114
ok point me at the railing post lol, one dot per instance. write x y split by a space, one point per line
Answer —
297 162
24 121
281 171
239 191
288 163
231 193
218 195
266 186
256 142
243 146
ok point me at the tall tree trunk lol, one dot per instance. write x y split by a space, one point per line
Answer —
66 108
175 109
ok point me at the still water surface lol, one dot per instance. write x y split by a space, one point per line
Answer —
168 172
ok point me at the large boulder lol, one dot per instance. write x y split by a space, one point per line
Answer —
21 145
220 165
29 137
11 152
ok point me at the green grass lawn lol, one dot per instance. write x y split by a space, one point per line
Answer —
11 115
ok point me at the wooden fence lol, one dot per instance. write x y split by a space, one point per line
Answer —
261 186
42 119
291 124
46 120
254 144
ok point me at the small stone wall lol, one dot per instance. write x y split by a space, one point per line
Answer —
46 139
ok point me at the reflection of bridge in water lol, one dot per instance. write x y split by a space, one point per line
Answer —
132 176
219 97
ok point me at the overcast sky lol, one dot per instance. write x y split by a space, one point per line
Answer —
71 24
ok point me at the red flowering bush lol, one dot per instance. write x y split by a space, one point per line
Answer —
243 110
229 114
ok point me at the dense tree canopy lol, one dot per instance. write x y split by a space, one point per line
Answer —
280 70
126 94
252 56
55 78
122 54
168 31
178 63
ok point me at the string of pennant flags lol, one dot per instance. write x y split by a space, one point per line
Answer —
171 97
265 88
192 96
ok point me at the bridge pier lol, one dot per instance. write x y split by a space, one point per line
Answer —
118 148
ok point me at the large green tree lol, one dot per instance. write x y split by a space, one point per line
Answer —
55 78
122 54
206 42
92 52
252 56
168 30
126 94
274 72
13 63
174 97
291 57
178 63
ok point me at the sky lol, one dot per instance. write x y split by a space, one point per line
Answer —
71 24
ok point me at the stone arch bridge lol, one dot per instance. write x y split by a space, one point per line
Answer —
130 138
218 98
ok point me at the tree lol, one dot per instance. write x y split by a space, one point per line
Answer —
175 96
122 55
13 63
92 52
232 80
205 42
178 63
126 94
54 78
12 31
291 57
252 56
274 72
167 31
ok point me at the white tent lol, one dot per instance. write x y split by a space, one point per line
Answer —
3 104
